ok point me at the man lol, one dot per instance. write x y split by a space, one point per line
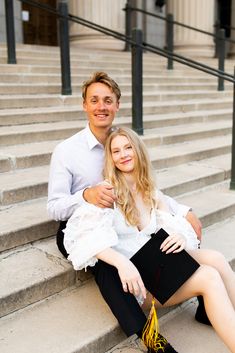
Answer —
75 176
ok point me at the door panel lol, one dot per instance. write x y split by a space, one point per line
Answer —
42 26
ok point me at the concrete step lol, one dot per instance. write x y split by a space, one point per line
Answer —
38 153
150 68
192 176
74 112
119 77
77 320
79 308
24 223
212 204
19 134
24 185
160 93
26 156
30 274
189 151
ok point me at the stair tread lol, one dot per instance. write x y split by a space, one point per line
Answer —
75 321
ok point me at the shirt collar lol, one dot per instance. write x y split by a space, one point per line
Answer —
91 139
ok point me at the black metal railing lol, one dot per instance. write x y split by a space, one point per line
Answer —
219 36
137 46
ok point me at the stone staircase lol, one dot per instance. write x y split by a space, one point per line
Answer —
45 306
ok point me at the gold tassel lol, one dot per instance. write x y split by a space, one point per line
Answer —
150 336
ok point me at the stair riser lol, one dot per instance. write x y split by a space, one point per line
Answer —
20 138
218 216
18 102
27 296
196 184
56 79
44 158
189 119
27 235
167 140
194 156
40 117
79 114
15 139
23 194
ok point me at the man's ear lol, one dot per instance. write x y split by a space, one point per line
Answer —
118 103
84 105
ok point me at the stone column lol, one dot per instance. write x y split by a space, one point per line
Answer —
232 36
195 13
106 13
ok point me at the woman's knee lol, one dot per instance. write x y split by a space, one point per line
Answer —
208 277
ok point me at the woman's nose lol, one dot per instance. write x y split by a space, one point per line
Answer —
123 153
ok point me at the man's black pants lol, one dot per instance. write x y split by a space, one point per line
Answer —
123 305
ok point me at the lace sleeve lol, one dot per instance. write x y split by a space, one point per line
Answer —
177 224
89 231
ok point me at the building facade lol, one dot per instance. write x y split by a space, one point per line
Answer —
35 26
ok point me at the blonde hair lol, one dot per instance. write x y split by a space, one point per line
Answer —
101 77
145 184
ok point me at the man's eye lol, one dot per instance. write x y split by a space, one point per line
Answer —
109 101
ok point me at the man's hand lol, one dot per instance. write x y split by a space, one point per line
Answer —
195 223
101 195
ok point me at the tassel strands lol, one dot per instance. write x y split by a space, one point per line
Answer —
150 336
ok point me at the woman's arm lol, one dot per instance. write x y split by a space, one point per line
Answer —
128 273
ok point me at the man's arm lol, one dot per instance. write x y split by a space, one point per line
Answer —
184 211
61 202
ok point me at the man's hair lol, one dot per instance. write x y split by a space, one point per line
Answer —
145 183
101 77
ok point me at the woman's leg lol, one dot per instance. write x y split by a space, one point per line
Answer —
217 260
206 281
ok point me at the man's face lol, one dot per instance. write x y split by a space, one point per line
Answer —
100 105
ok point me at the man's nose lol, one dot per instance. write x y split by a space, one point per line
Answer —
101 104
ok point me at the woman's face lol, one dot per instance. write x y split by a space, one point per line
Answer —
123 154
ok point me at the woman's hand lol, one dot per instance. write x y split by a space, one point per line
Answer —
173 243
130 278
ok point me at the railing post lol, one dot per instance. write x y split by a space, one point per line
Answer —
64 48
232 183
128 24
137 81
10 32
221 54
170 39
216 39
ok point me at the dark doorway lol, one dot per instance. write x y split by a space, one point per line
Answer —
41 28
224 15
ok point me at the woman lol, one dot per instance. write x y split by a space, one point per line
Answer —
126 228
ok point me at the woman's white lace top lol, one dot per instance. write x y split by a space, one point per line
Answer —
92 229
